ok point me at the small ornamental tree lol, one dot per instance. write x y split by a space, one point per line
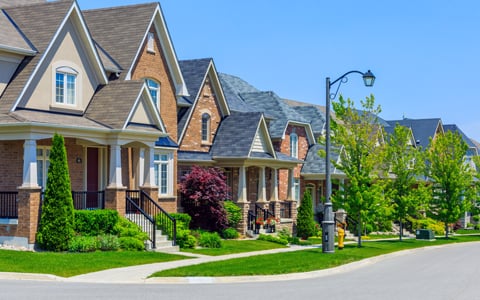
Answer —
56 226
204 191
305 222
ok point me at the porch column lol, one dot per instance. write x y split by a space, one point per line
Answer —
115 180
242 185
274 183
30 164
141 166
262 191
291 185
149 168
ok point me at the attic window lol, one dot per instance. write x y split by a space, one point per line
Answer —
294 145
205 127
151 42
65 85
154 88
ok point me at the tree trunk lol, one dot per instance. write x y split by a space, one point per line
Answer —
359 228
446 230
401 229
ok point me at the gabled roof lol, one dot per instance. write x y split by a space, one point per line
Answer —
269 102
315 115
196 72
315 164
465 138
232 87
122 30
113 105
423 129
239 129
12 39
42 24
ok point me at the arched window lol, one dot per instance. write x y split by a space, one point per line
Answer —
205 127
294 145
154 88
65 85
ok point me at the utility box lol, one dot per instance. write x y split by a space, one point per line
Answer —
424 234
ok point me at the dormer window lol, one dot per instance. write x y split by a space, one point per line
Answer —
66 86
294 145
205 128
154 88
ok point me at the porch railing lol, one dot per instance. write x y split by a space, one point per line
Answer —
8 205
145 212
87 200
286 209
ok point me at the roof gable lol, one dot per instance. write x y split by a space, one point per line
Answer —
45 42
423 129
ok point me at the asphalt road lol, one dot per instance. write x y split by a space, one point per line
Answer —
447 272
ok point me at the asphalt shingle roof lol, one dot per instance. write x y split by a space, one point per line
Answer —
455 128
10 36
232 86
235 135
112 103
315 164
194 156
120 30
423 129
270 103
314 115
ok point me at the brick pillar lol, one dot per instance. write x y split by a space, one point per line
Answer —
152 191
115 199
243 224
28 212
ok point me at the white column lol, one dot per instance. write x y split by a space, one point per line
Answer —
242 185
141 167
149 168
30 164
291 185
115 166
274 183
262 191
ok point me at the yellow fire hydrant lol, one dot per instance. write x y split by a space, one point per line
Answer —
341 237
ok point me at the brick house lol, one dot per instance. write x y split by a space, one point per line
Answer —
108 87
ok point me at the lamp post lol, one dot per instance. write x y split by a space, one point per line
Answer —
328 223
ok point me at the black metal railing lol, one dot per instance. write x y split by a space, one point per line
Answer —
88 200
261 218
145 212
8 205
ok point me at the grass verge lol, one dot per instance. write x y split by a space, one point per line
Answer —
236 246
304 260
71 264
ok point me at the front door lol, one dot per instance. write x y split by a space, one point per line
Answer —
92 178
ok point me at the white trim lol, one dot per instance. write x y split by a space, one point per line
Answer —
308 130
170 164
67 67
268 141
16 50
99 64
145 92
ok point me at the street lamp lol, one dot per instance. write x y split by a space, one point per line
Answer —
328 223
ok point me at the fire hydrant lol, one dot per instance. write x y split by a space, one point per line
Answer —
341 237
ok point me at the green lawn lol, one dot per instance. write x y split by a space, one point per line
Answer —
236 246
71 264
303 261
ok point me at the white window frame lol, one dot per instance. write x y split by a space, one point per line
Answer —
296 189
43 162
206 120
163 178
67 98
154 86
294 145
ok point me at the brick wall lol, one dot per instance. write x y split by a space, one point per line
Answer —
11 164
76 169
207 103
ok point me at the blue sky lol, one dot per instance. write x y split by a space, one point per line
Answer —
425 54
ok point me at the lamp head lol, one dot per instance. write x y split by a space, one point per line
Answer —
368 78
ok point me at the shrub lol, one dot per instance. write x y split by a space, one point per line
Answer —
131 244
284 233
305 222
234 213
183 220
56 220
230 233
270 238
83 244
185 239
428 223
95 222
210 240
108 242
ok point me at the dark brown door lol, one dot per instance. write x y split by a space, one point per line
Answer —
92 178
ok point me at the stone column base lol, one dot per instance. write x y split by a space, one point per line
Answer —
243 224
29 199
115 198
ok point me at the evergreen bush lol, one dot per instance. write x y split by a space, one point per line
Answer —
95 222
305 221
234 213
230 233
57 217
210 240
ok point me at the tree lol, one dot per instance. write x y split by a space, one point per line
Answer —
451 176
204 190
57 217
305 222
404 161
358 136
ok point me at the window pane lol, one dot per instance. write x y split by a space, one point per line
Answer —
155 170
163 178
154 88
40 172
59 85
205 127
164 157
71 89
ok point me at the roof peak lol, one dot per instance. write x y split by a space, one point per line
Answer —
120 6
